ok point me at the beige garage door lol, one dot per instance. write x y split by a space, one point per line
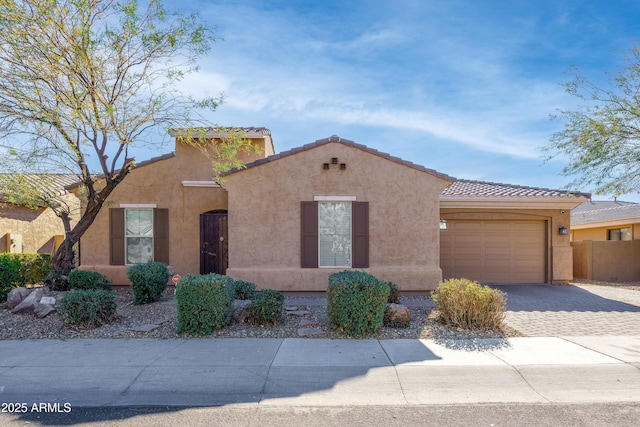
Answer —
494 251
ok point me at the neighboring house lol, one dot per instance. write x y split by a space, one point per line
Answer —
605 220
606 241
286 221
26 230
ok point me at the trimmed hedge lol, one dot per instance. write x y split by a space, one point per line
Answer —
266 307
466 304
356 302
20 269
87 308
148 281
85 279
244 290
204 303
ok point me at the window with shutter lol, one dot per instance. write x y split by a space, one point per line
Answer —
138 236
335 234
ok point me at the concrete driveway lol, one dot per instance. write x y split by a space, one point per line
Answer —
572 310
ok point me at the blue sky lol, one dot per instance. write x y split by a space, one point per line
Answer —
463 87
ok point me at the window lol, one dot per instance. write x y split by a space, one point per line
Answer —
335 234
619 234
138 235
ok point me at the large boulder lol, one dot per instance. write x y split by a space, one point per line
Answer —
397 316
42 310
241 310
16 296
29 303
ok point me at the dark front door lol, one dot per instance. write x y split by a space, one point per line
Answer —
213 243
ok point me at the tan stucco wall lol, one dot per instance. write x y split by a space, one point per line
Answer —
600 233
559 251
607 260
264 218
160 183
34 228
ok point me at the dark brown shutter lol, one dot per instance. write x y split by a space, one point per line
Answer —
161 235
116 236
360 234
309 237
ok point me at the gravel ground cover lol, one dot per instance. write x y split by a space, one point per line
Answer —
163 315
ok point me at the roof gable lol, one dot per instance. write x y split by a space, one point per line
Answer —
345 142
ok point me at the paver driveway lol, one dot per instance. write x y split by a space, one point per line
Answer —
554 310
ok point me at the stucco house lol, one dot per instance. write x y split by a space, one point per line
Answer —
288 220
605 220
606 240
26 230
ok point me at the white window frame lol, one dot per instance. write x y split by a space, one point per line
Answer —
334 200
127 236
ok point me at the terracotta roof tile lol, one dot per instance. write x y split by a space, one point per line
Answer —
468 188
47 184
594 212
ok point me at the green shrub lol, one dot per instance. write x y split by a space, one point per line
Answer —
87 308
20 269
85 279
356 302
204 303
465 304
394 293
266 307
244 290
148 281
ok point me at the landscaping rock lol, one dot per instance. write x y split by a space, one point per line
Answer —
290 308
145 328
299 313
241 310
29 303
16 296
306 323
48 300
42 310
397 316
308 332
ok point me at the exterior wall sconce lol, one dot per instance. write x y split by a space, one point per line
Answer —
325 166
563 230
334 160
443 224
343 166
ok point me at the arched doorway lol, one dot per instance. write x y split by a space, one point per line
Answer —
214 253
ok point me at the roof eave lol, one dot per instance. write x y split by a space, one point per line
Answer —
513 202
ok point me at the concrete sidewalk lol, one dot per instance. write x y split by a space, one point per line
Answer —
320 372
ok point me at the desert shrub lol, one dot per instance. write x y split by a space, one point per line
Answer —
21 269
87 308
356 302
394 293
266 307
85 279
465 304
204 303
148 281
244 290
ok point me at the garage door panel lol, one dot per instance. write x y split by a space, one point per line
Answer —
494 251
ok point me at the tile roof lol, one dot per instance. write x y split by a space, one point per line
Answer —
468 188
47 184
337 139
596 211
222 129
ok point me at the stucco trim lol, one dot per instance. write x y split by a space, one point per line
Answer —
509 202
200 184
138 205
334 198
615 223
